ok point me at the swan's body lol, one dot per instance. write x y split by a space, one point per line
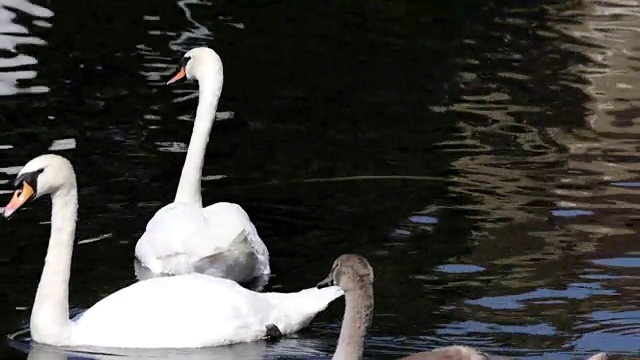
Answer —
184 311
354 275
183 237
192 311
180 240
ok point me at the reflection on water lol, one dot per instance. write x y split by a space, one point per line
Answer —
285 349
195 35
488 169
17 18
549 157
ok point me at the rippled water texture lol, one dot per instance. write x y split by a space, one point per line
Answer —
483 155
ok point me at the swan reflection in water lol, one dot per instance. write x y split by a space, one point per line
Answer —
16 67
288 348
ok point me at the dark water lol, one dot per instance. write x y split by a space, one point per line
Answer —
482 155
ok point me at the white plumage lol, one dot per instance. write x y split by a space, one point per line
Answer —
194 310
183 311
183 237
218 240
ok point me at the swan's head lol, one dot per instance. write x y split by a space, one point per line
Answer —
198 64
350 272
43 175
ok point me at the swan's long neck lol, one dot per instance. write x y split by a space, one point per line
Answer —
357 317
50 315
189 185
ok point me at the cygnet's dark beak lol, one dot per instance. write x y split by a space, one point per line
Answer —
326 282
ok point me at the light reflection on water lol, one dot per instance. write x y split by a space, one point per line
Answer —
554 197
16 65
286 349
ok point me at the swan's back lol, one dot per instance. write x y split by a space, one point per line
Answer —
179 311
194 310
180 238
229 213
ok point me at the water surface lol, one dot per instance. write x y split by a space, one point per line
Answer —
482 156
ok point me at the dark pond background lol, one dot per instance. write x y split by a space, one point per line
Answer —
483 155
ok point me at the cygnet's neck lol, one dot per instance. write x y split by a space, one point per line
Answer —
50 314
210 88
357 317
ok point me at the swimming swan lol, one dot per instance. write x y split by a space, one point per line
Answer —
183 237
354 275
183 311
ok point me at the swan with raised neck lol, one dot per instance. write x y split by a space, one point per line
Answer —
183 311
205 66
183 237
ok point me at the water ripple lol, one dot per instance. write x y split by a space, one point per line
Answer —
17 67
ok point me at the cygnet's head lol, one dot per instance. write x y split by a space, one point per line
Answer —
43 175
350 272
198 64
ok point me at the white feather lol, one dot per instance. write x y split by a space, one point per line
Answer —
184 237
192 311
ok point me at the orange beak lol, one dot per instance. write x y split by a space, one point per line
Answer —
177 76
20 197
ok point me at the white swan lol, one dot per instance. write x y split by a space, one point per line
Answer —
184 311
184 237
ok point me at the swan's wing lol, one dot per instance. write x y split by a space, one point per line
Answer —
194 311
180 234
179 311
229 223
219 240
233 217
171 228
238 263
